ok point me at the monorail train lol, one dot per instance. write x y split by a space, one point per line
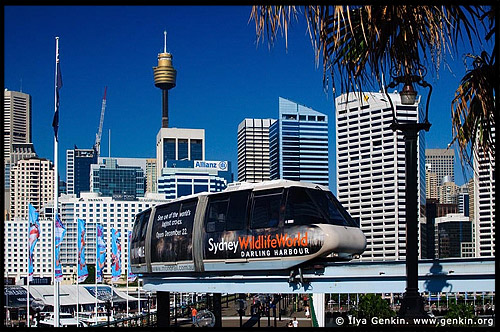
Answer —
270 225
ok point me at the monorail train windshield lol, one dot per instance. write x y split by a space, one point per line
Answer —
311 206
139 237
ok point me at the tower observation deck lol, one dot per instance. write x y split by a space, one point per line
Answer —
164 76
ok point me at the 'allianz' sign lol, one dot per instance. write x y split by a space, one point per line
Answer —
218 165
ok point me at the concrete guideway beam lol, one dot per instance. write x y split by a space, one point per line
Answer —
449 275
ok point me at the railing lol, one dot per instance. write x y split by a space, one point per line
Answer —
138 320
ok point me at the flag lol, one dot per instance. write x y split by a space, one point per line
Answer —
116 255
100 252
59 236
82 266
55 120
33 235
131 276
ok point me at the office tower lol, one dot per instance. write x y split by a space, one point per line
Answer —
31 181
253 150
447 192
164 75
121 182
463 203
453 236
16 129
442 162
16 119
470 190
371 170
19 151
185 177
431 185
151 177
484 202
179 144
78 163
298 144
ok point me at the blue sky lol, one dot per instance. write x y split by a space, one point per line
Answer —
223 76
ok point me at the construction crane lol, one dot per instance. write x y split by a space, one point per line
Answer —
97 145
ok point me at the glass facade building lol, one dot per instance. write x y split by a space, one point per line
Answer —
298 144
186 177
78 163
110 179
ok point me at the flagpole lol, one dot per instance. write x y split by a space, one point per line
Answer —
127 290
77 268
96 266
28 277
56 194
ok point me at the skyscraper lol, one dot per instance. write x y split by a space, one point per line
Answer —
78 163
151 176
298 144
31 181
253 150
371 170
441 162
19 151
16 119
484 202
120 182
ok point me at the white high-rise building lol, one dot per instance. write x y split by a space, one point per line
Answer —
371 170
31 181
16 249
484 203
111 213
253 150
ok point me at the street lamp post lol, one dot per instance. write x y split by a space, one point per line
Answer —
108 309
149 309
412 305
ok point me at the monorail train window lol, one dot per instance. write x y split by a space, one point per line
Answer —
217 214
335 212
300 208
266 208
237 212
227 212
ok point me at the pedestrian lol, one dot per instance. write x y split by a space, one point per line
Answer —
307 311
194 312
290 324
295 322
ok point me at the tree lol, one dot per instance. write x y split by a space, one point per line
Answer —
363 44
461 312
91 274
372 305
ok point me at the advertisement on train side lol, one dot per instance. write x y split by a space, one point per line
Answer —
171 239
265 242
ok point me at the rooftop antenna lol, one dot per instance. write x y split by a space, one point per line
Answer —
165 41
109 144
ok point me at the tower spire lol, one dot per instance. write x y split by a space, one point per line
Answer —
165 41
